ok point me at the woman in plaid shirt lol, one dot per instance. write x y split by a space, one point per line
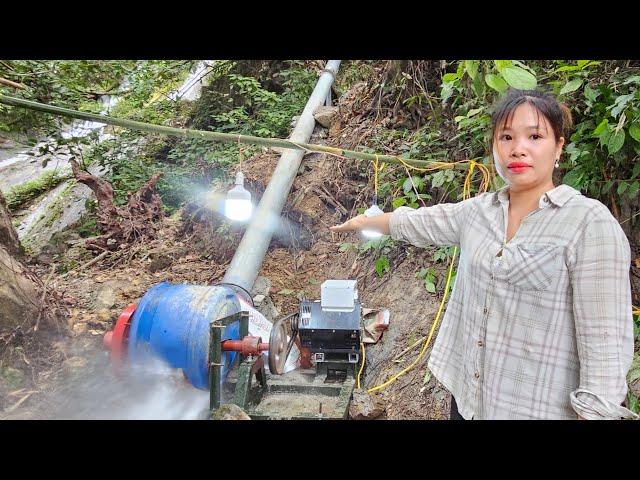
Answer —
539 323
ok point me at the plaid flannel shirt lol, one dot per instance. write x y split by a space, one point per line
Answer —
539 327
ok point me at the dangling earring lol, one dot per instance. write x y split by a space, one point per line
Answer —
557 164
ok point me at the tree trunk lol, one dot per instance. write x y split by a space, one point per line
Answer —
19 287
8 236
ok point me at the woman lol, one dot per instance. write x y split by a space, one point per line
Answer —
539 323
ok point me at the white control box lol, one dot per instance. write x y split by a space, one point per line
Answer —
338 295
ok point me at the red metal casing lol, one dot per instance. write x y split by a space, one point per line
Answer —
116 340
247 346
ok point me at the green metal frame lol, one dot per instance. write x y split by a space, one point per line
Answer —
248 397
215 352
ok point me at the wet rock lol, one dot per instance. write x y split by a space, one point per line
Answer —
365 406
268 309
229 411
325 116
105 298
261 286
7 143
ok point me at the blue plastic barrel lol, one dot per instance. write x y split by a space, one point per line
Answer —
172 322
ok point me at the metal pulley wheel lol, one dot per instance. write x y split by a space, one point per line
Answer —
283 335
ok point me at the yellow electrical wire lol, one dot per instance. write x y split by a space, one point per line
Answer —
428 341
466 193
361 366
436 165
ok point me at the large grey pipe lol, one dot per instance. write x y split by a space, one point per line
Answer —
248 258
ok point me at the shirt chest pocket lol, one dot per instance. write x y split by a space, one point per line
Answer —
530 266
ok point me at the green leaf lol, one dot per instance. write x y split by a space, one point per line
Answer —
634 131
606 135
471 67
407 186
345 246
518 63
496 82
632 79
366 246
590 93
398 202
519 78
427 377
571 86
285 291
502 64
382 265
478 85
474 111
449 77
574 178
636 170
615 141
633 190
622 188
607 186
446 92
430 286
601 126
437 180
567 68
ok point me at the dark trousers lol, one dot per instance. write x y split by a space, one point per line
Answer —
454 414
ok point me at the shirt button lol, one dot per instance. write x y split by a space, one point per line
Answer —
545 200
477 375
480 344
485 311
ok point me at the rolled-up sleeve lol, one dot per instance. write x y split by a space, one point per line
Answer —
599 267
437 225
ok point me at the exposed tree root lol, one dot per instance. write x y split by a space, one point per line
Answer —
122 225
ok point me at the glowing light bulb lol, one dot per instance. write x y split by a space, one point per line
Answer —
372 211
238 204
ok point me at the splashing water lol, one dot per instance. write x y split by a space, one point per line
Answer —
148 391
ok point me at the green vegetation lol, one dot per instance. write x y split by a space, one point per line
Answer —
601 156
21 194
240 98
428 110
68 83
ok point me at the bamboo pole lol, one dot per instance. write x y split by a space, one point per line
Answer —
220 137
9 83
